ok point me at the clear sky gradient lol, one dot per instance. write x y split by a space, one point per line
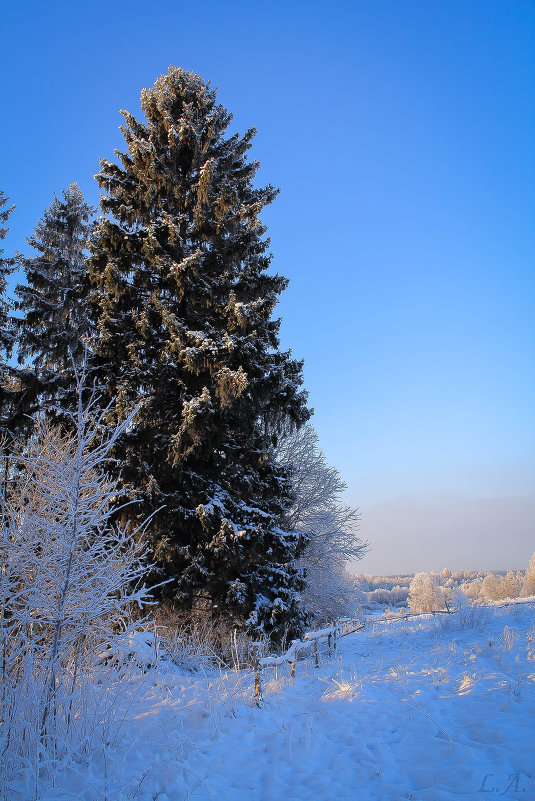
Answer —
402 136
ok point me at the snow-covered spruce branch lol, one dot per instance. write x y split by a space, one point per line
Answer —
68 581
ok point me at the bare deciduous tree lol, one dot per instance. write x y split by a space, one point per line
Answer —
330 525
318 510
68 580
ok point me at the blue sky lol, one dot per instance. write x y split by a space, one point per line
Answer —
402 136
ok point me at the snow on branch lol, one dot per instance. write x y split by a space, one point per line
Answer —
68 581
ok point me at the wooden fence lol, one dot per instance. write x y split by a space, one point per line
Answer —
342 627
309 643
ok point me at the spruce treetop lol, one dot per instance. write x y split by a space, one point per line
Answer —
55 321
53 332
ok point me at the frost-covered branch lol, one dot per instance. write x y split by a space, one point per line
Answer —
319 514
68 580
318 510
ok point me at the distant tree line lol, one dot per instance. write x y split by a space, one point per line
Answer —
426 592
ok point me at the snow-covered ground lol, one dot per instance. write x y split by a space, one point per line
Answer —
430 709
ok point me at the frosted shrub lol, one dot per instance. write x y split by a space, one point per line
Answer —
528 585
456 599
508 638
68 580
198 642
330 593
193 645
465 618
472 589
425 594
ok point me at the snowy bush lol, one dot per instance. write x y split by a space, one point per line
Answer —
456 599
199 642
140 649
472 589
331 593
528 585
425 593
465 618
68 580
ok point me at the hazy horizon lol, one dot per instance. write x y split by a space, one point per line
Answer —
433 530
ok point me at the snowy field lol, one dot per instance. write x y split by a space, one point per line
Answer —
432 709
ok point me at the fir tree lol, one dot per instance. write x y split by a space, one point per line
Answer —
6 268
53 333
7 265
186 331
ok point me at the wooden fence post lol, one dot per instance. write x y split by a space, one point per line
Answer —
315 648
257 684
257 688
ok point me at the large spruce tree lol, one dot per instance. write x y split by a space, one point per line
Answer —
54 329
185 300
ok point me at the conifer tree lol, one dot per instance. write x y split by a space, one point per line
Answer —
53 333
186 331
7 266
